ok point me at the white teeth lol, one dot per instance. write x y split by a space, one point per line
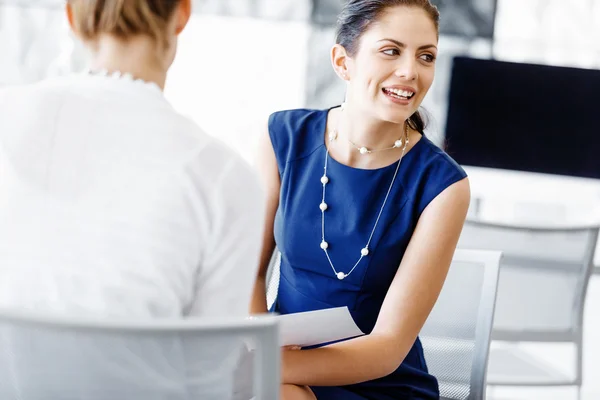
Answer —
399 92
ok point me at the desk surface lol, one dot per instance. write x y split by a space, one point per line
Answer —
513 196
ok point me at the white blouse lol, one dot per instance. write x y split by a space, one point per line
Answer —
112 204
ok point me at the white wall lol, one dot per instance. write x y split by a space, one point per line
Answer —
231 72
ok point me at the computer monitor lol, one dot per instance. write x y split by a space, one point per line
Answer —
524 117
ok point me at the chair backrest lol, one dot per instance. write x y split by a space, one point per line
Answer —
456 335
273 275
543 281
68 359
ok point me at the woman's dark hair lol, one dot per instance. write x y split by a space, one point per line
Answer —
358 15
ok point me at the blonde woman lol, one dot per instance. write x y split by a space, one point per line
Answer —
111 203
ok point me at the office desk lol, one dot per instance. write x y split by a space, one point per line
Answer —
548 200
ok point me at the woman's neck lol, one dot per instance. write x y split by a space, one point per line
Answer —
357 130
366 130
138 56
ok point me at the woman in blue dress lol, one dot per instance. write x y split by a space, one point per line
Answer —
365 210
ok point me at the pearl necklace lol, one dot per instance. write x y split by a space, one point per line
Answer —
324 206
365 150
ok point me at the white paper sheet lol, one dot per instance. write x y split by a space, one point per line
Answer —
317 327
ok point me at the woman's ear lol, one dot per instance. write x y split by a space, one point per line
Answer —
184 12
339 61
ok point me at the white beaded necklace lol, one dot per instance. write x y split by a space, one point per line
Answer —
324 206
365 150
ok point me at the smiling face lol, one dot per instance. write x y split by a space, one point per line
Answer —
393 66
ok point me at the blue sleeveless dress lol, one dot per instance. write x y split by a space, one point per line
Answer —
354 197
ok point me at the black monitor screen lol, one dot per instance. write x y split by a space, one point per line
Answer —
524 117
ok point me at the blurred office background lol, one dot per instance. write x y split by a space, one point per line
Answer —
515 101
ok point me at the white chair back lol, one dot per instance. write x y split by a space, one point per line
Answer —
456 336
543 278
272 279
44 358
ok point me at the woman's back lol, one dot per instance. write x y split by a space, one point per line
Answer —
113 204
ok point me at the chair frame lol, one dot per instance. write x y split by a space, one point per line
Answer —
485 315
263 329
575 336
491 263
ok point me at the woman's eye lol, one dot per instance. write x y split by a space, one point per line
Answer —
391 52
428 57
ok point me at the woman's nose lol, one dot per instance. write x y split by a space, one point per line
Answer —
407 69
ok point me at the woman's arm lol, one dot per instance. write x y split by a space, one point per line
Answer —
407 305
269 175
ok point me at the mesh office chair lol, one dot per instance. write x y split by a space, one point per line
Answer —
456 335
272 278
543 282
43 358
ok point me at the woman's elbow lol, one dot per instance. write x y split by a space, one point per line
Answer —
390 359
382 367
390 365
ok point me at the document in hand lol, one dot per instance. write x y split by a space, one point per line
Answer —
317 327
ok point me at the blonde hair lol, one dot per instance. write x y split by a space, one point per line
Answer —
122 18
